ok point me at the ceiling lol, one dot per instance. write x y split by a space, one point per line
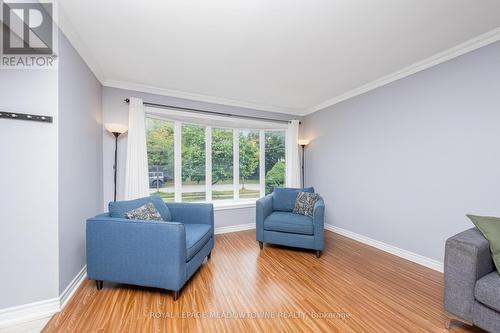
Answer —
274 55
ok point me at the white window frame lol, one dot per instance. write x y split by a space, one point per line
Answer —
219 204
236 164
262 162
208 163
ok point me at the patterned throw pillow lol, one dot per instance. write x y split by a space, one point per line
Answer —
304 204
147 212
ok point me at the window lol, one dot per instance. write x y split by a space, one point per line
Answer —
193 163
198 159
249 164
275 159
160 146
222 164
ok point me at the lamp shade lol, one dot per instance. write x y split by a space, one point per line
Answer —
115 128
303 142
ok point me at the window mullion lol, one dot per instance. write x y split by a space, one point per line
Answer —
236 164
177 161
262 162
208 163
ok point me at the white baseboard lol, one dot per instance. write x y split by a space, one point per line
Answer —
28 312
43 309
72 287
234 228
414 257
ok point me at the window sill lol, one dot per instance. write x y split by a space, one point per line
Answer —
233 204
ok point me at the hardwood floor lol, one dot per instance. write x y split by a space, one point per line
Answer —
352 288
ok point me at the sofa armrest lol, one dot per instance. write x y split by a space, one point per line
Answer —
136 252
319 224
467 258
263 208
189 213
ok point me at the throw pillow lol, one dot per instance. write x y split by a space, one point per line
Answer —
304 204
490 228
147 212
120 208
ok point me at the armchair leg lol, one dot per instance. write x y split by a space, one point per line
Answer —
451 317
209 255
261 245
176 294
98 284
318 253
447 323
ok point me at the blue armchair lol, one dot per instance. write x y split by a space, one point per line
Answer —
146 253
277 224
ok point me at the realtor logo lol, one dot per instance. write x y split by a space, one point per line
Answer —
28 34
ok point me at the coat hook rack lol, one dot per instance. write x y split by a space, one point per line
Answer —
25 116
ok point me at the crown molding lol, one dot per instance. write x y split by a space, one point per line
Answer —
197 97
456 51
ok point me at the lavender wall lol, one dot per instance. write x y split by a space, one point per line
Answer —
80 158
404 163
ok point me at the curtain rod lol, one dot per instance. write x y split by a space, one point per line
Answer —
166 106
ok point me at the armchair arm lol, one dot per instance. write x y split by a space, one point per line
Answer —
319 222
263 208
200 213
467 258
136 252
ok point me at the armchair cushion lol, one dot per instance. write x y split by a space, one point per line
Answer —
197 235
289 222
119 209
284 198
487 290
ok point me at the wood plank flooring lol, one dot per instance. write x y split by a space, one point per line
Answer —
351 288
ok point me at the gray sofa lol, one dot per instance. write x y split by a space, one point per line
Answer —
472 284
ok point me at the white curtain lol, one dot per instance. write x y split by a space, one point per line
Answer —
292 155
136 169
